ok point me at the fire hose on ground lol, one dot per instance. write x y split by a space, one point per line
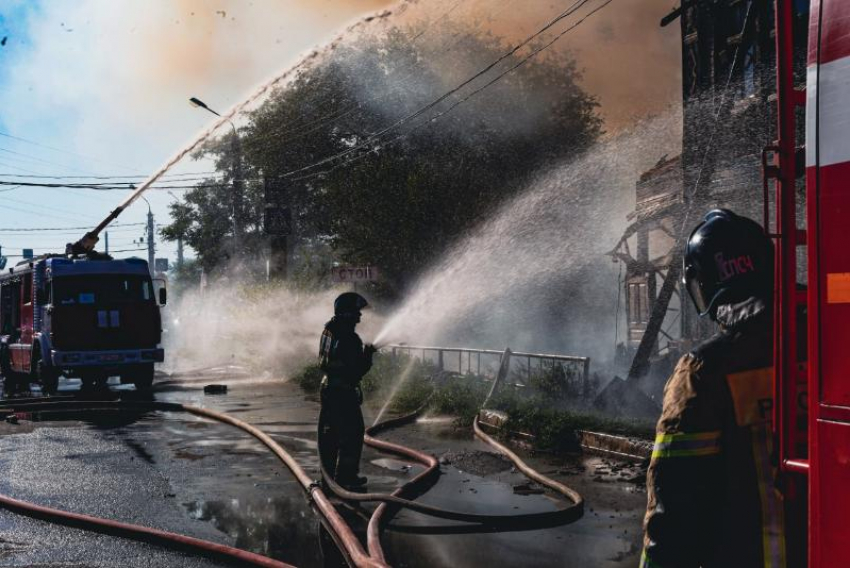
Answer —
339 530
527 520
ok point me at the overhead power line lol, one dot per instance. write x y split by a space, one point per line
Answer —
111 187
177 176
48 250
69 229
419 112
432 119
60 150
334 117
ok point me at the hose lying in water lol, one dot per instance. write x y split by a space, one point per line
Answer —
504 522
396 500
431 463
342 534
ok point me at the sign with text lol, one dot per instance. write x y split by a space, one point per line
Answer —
354 273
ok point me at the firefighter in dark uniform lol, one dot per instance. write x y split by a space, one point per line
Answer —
345 361
711 495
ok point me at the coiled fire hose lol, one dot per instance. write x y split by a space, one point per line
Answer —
525 520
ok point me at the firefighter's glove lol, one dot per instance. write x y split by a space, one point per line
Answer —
370 350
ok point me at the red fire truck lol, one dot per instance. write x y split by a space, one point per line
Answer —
813 429
91 317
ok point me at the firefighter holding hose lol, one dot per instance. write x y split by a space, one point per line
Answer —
345 361
711 495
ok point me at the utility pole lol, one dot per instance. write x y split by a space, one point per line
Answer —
107 241
179 241
236 204
179 252
151 250
277 225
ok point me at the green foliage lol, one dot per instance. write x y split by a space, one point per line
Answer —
558 382
309 378
399 205
461 396
555 428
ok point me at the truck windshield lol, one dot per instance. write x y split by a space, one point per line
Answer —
101 289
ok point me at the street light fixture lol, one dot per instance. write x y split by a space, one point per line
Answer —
236 202
196 102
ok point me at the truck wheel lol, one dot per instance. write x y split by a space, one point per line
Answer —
143 377
10 377
49 379
88 381
46 375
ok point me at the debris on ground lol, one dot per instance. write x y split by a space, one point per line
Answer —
572 469
527 489
608 471
477 462
215 389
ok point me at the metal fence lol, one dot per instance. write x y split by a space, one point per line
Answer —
485 362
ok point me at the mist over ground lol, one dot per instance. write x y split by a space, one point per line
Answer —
489 215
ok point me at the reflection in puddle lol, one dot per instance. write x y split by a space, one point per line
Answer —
393 464
277 527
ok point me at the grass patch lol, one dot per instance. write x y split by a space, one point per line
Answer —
535 409
554 428
309 378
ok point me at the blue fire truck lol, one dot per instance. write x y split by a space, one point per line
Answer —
92 317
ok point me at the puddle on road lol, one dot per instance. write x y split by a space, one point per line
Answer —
598 539
279 527
393 464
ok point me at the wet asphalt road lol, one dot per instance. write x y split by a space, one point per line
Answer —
208 480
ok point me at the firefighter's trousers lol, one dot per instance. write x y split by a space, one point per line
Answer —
341 432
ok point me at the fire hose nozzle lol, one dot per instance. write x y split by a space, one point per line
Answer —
84 245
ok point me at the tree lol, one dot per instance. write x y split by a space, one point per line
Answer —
397 201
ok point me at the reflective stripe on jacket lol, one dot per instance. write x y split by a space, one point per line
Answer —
711 496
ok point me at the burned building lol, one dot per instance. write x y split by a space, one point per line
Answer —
729 119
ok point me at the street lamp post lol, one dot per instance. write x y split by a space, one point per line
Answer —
150 236
236 198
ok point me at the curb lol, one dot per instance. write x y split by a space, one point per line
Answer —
621 447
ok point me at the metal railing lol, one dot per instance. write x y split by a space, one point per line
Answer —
485 362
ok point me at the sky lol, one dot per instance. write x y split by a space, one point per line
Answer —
100 87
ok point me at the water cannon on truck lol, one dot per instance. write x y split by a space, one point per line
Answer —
80 314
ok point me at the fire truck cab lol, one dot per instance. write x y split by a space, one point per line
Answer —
91 318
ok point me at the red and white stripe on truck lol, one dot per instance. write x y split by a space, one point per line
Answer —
828 233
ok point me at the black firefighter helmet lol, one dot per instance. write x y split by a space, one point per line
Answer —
728 258
349 304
